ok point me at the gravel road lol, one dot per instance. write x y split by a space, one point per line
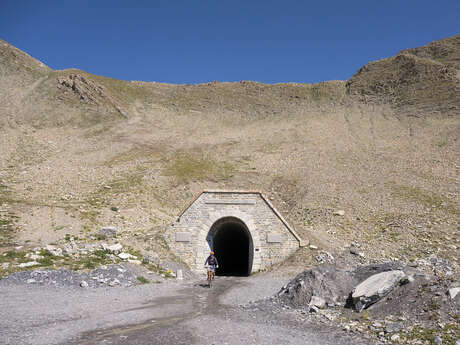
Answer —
168 313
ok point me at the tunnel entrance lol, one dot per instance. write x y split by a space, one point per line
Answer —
232 244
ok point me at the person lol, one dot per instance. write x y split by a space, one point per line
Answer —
211 263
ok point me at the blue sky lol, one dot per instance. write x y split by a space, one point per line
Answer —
198 41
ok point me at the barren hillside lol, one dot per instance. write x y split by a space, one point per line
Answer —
81 151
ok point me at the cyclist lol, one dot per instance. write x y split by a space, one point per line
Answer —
211 264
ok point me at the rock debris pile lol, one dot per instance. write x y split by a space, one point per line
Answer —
104 276
393 301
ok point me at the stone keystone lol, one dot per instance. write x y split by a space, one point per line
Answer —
375 288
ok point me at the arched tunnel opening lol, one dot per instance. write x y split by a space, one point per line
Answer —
233 247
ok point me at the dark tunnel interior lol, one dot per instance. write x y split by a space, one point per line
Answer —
233 249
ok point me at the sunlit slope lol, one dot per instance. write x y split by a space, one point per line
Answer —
75 146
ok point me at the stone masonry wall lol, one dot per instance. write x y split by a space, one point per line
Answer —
272 239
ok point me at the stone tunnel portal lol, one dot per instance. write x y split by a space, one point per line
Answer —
232 243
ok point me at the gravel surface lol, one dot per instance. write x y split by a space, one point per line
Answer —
172 312
253 288
49 315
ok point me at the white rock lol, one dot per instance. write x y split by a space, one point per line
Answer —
5 265
114 248
354 250
84 284
453 292
136 262
313 309
318 302
114 282
53 250
68 249
377 324
313 247
339 213
30 281
126 256
375 287
395 337
28 264
179 275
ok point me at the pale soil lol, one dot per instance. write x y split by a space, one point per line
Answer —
399 190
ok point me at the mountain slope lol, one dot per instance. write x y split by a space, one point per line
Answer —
76 146
418 82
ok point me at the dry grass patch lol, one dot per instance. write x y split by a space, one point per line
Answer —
144 154
428 199
185 167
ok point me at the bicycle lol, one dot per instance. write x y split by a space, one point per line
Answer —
211 274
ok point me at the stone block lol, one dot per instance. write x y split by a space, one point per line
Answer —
273 238
183 237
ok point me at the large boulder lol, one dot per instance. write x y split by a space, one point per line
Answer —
328 282
375 288
331 283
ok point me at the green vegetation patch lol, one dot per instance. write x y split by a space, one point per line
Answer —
143 280
8 219
13 255
186 167
425 198
89 261
449 334
160 271
140 153
103 196
7 230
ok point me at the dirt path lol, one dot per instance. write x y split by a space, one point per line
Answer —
165 329
170 313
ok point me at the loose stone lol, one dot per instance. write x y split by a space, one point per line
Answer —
453 292
28 264
108 231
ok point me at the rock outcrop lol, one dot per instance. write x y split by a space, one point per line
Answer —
375 288
88 91
329 282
